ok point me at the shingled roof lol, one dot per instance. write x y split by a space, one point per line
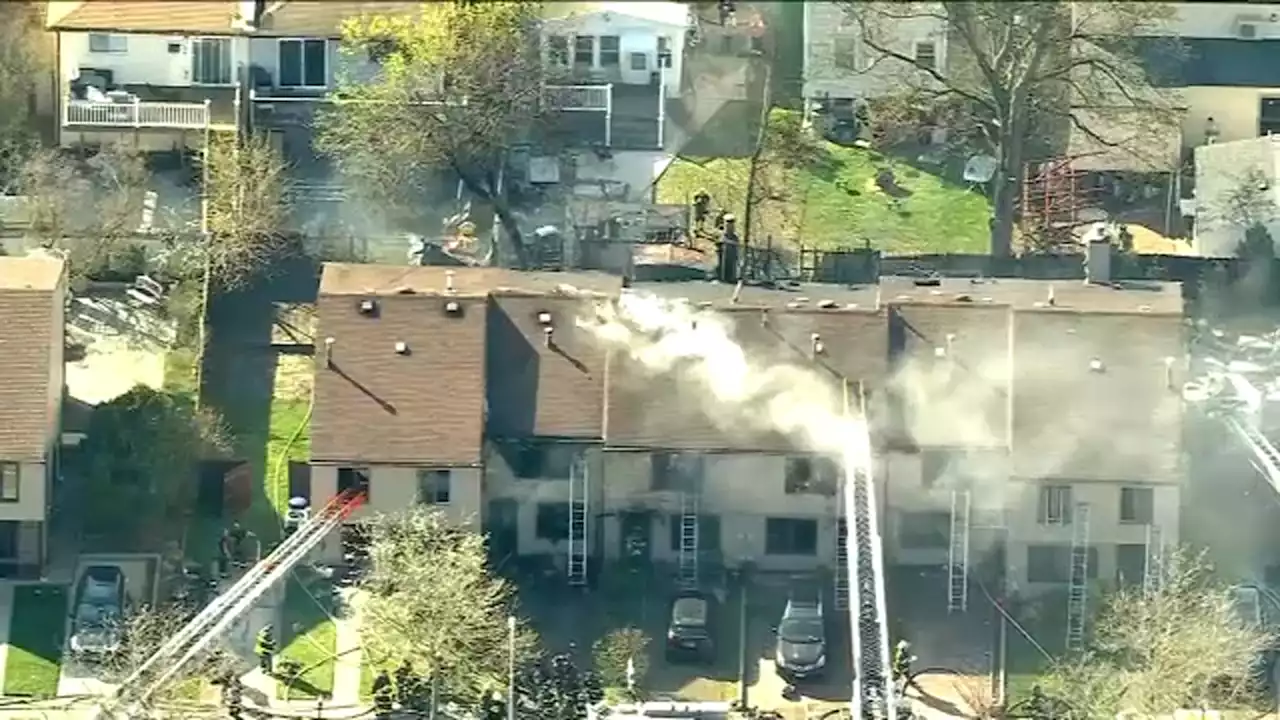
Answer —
30 343
151 16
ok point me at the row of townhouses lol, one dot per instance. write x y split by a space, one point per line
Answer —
477 391
159 74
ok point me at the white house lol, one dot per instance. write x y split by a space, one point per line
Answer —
630 43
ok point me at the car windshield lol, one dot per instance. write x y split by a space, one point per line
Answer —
99 593
689 612
801 630
89 615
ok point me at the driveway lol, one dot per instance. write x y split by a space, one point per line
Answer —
766 599
81 678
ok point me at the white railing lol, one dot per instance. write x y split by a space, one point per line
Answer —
137 114
595 98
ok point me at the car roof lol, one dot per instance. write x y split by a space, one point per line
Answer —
689 610
103 573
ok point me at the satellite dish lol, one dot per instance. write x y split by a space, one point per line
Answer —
980 168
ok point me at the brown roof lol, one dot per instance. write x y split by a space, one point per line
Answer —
1120 421
356 279
668 412
1126 296
29 343
540 385
952 361
324 19
152 16
375 405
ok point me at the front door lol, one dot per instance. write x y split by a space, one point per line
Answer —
636 535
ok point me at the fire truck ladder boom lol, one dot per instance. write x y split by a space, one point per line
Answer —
240 597
874 692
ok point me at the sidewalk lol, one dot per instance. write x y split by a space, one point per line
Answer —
347 667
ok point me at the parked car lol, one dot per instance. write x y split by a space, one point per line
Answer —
99 606
801 650
689 636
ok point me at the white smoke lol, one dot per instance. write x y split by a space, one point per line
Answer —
740 394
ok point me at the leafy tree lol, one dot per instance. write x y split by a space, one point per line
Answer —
1018 73
140 453
432 601
1185 645
615 650
556 689
23 56
456 84
1257 243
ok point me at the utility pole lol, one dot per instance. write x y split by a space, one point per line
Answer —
762 134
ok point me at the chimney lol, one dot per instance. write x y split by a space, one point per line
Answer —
1097 262
326 352
448 282
1052 299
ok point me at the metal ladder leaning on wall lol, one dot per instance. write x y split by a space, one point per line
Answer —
1153 567
579 487
958 553
688 555
1078 587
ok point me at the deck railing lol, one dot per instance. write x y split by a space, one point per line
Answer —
598 98
137 114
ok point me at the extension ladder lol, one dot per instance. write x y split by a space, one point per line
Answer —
1078 587
578 489
958 553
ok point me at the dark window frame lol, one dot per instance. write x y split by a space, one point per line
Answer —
10 471
435 486
810 475
1055 504
610 52
1050 563
791 536
709 529
551 521
302 76
932 534
1137 505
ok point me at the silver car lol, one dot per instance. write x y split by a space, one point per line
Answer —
96 628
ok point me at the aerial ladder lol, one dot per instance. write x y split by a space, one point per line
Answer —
579 487
958 553
874 689
688 553
1078 578
230 605
841 574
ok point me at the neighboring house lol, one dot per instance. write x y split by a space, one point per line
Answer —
1237 186
156 73
1006 389
32 301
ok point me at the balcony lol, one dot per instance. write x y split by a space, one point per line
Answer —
137 114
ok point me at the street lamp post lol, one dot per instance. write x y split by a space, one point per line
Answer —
511 667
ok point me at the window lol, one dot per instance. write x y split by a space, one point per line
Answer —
1131 563
639 61
584 48
933 466
1137 505
353 479
175 48
211 61
675 471
558 50
664 51
609 51
790 536
846 53
104 43
544 460
304 63
434 486
927 55
708 533
1055 505
924 530
1052 563
8 482
1269 116
553 521
816 475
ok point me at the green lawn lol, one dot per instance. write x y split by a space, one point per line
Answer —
313 647
837 203
37 631
1045 620
288 438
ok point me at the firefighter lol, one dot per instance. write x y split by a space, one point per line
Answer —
1037 705
264 647
701 209
406 684
902 659
383 695
224 553
237 535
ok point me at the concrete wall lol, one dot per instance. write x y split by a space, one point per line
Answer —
1234 110
146 60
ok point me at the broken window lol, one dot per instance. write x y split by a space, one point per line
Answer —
552 521
790 536
811 474
356 479
675 471
544 460
435 486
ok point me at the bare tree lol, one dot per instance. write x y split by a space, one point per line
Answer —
455 84
23 57
431 601
1186 645
1016 73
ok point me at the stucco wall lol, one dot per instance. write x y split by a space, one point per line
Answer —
1233 109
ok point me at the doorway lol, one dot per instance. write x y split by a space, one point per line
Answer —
635 534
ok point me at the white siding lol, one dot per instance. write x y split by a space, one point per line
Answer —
826 25
1234 109
1220 20
145 59
635 35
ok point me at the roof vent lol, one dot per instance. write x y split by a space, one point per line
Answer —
826 304
1053 298
795 305
367 306
544 318
452 307
448 282
547 331
964 298
402 348
818 347
705 304
1095 365
928 282
1144 308
326 352
405 290
1168 372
